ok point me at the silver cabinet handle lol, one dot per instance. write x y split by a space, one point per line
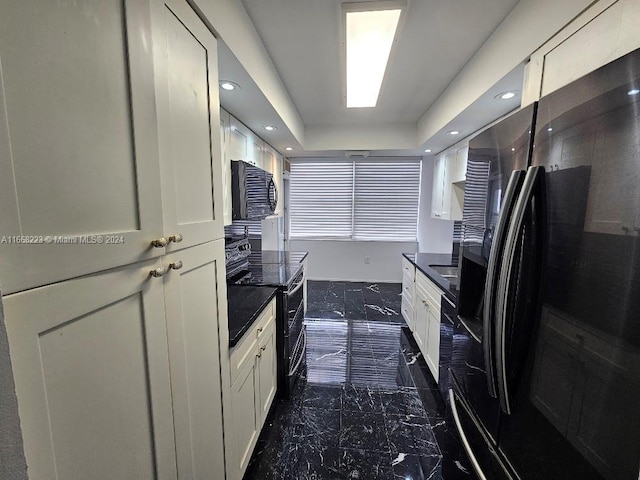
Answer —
177 238
263 348
159 242
259 354
158 272
175 265
259 329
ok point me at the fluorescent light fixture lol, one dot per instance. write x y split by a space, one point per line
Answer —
227 85
288 149
635 91
270 128
454 132
370 28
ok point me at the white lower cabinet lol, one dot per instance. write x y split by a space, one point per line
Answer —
253 364
91 371
427 321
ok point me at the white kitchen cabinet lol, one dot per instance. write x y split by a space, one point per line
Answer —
253 387
91 369
427 320
227 211
605 31
244 144
273 164
78 140
188 125
193 321
408 295
449 173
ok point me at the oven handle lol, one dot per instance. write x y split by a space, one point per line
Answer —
304 347
298 287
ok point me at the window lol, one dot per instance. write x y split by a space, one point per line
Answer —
372 199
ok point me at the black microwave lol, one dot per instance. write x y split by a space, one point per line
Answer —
254 195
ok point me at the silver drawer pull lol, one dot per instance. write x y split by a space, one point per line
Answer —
177 238
158 272
175 265
159 242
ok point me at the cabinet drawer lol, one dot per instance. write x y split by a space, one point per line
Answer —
429 289
245 350
407 310
407 287
408 269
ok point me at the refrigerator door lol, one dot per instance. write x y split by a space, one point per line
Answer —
495 171
575 397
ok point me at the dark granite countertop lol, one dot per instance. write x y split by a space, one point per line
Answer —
245 304
422 261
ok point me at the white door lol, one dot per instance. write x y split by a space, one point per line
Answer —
91 369
192 285
421 320
432 356
186 64
78 141
245 417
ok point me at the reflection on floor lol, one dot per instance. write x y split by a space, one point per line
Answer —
369 409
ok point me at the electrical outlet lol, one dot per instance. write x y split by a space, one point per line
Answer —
367 260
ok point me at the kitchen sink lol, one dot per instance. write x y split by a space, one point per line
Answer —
447 271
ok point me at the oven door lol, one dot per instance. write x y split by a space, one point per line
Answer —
297 346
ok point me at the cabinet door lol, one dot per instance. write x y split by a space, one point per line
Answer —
421 318
192 288
257 152
78 141
189 124
238 140
245 406
432 351
448 167
267 369
89 357
226 167
438 185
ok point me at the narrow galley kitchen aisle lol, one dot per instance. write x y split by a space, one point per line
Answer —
369 408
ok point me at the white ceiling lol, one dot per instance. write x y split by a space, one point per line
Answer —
303 39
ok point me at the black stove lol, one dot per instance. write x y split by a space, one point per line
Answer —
285 271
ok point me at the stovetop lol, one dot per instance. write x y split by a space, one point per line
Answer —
271 268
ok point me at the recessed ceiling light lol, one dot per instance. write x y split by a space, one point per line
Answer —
369 37
513 149
227 85
270 128
506 95
428 150
288 149
454 132
635 91
549 129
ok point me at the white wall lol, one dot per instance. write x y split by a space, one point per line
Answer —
344 260
434 236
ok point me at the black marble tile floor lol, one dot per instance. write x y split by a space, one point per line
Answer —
368 407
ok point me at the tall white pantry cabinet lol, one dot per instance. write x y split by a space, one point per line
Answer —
109 127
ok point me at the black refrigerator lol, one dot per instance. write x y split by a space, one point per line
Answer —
545 374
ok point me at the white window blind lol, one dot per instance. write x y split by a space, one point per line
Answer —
321 199
355 199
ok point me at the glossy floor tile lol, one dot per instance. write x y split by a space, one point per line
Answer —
368 407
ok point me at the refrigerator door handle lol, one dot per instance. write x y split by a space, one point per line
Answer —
506 279
511 194
463 437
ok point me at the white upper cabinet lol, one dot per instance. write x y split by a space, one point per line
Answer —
188 123
225 121
449 174
244 144
602 33
78 140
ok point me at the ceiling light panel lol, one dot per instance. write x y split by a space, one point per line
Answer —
369 36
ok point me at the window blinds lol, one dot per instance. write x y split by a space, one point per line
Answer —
355 199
